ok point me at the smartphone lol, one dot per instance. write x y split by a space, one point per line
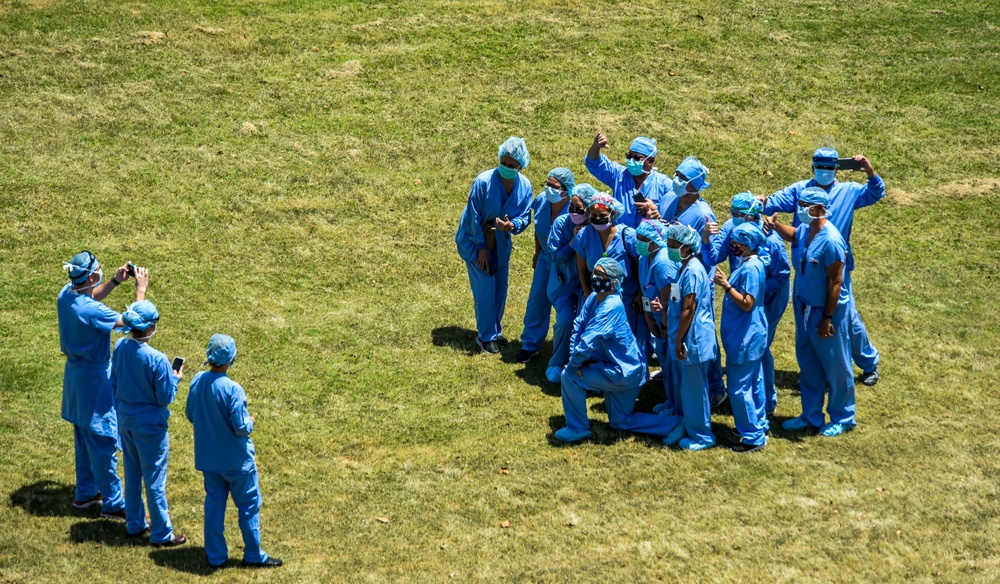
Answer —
848 164
177 364
130 269
638 198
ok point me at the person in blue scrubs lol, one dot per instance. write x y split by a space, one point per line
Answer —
605 237
546 208
564 290
656 274
499 206
144 385
691 336
744 335
85 326
690 180
225 455
637 185
717 245
822 317
845 199
604 357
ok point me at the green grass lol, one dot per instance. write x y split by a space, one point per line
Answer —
312 243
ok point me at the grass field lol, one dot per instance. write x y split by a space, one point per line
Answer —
293 173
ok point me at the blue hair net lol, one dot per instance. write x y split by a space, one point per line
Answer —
515 148
685 236
221 350
643 145
139 316
585 191
564 176
695 172
825 155
612 268
608 201
653 230
749 234
81 266
815 196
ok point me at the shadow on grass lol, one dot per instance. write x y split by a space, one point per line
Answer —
48 499
102 531
603 434
786 379
458 338
189 559
533 373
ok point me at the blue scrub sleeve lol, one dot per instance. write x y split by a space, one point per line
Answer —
834 251
628 242
164 382
604 169
779 271
476 197
585 344
562 251
522 216
872 193
98 316
783 201
189 406
239 416
718 246
749 283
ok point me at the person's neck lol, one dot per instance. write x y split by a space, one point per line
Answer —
83 290
817 224
687 200
558 207
508 184
602 295
639 180
607 234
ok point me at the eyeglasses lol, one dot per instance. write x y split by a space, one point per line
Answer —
631 156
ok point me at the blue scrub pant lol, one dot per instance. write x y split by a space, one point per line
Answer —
146 456
773 310
539 310
489 294
716 385
97 469
619 400
822 362
864 354
562 330
746 394
245 489
637 324
671 377
694 401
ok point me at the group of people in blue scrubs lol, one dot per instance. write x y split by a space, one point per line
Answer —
633 273
119 400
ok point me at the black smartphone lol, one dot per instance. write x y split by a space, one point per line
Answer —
178 363
130 269
638 198
848 164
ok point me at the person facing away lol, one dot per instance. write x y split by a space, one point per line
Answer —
144 385
225 455
88 402
499 206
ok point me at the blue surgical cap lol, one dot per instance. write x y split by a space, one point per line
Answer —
221 350
815 196
825 155
653 230
612 268
81 266
564 176
749 234
685 236
695 172
747 204
643 145
585 191
516 149
140 316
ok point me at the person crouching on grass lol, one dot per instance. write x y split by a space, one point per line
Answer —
224 453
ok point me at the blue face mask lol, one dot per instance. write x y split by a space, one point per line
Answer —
554 195
634 167
506 172
824 176
679 186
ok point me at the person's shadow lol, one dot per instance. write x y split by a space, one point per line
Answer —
46 499
186 558
456 337
102 531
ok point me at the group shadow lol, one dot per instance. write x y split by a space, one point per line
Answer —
187 558
47 499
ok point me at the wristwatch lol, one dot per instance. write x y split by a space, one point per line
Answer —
827 316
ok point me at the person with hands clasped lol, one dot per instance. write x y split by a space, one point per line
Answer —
691 336
88 402
637 185
744 336
822 318
144 385
499 206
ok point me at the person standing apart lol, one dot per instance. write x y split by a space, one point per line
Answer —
85 326
499 206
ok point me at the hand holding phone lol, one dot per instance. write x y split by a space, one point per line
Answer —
178 364
848 164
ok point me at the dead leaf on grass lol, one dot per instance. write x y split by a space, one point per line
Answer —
382 519
505 524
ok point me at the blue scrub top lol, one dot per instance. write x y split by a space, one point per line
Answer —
700 339
563 278
85 338
542 210
744 334
656 272
217 407
488 200
657 188
621 247
778 270
601 334
694 215
144 385
810 277
845 199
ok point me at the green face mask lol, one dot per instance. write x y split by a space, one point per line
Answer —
642 247
506 172
674 253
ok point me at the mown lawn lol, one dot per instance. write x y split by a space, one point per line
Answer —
293 173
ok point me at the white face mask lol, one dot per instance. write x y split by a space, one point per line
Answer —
145 338
803 214
100 279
